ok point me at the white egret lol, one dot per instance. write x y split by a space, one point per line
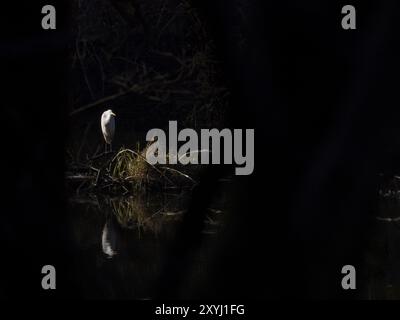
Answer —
108 127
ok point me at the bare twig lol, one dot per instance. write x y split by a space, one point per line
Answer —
180 173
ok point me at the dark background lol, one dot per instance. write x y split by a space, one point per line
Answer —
323 102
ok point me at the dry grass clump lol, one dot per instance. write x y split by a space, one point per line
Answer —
128 172
130 167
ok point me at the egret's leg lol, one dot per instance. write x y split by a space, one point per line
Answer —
110 147
105 148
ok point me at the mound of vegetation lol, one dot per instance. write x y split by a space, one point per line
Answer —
127 171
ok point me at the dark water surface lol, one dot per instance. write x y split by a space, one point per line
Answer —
121 244
384 258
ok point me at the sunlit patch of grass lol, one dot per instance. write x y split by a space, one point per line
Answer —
128 171
131 168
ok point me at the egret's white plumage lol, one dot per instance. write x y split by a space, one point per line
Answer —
108 126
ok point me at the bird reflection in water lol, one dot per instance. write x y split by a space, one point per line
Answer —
110 237
129 218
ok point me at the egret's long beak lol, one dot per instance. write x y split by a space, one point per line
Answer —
113 114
